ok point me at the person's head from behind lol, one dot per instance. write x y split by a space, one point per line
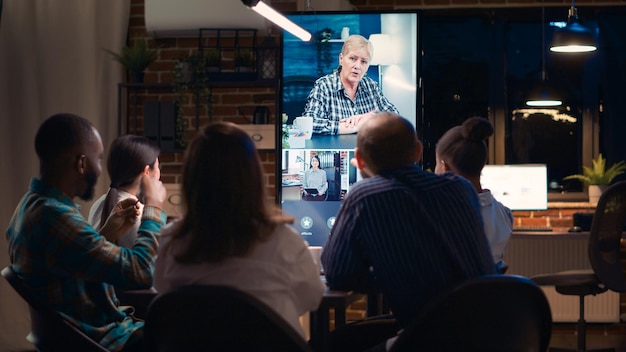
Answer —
462 149
315 162
130 158
354 58
224 194
386 142
70 153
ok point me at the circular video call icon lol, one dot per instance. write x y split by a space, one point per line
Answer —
306 222
330 222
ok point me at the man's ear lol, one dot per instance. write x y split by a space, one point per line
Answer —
419 148
81 163
360 163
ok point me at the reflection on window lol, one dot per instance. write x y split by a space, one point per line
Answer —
545 136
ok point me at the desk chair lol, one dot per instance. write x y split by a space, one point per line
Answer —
49 330
216 318
487 314
604 256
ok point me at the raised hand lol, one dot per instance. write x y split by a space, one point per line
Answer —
122 218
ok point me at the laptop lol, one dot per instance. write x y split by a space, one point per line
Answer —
311 190
313 220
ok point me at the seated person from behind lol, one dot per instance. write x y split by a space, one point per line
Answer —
462 150
315 184
232 234
401 231
130 159
68 265
342 101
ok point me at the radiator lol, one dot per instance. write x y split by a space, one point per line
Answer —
529 255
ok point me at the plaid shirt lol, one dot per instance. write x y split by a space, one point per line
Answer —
328 103
69 266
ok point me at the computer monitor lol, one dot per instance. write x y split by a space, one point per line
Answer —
519 187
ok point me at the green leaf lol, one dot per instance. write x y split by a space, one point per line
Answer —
137 57
597 174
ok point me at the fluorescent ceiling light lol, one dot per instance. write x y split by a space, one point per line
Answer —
268 12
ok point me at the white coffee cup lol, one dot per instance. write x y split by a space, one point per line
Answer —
304 124
316 253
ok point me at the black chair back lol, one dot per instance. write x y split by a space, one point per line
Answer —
216 318
604 239
490 313
49 330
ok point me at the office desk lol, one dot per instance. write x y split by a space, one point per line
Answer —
320 319
533 253
338 141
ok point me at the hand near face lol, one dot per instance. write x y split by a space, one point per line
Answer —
122 218
153 190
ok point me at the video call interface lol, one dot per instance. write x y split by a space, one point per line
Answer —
305 62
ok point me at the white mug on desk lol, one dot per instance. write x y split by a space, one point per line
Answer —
304 124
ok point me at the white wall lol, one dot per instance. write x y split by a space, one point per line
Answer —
400 79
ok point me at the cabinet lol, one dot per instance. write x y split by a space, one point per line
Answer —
158 116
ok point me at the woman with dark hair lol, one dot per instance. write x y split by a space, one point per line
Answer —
232 234
130 158
315 183
462 150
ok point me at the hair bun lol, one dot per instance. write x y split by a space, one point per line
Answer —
476 129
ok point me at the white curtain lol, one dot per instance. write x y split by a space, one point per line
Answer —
51 61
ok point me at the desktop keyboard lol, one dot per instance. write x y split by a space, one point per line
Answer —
533 228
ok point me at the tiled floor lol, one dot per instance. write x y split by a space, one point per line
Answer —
609 335
598 336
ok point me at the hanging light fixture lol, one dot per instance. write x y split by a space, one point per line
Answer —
268 12
574 37
542 94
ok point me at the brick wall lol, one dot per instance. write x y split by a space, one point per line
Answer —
235 104
559 215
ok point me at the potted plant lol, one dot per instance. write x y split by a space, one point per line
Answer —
213 59
190 78
322 45
135 58
598 177
244 60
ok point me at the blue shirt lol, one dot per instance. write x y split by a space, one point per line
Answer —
69 266
409 234
328 102
316 179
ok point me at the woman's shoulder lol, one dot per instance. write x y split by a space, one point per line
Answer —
285 233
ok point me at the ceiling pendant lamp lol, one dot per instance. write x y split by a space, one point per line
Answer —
574 37
542 94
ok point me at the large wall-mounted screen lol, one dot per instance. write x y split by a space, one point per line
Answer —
315 163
